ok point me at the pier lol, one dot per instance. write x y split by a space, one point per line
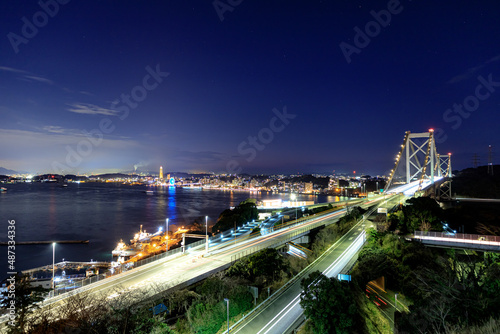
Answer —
5 243
69 265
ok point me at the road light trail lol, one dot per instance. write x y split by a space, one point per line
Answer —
157 273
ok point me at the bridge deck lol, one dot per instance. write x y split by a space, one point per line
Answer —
460 240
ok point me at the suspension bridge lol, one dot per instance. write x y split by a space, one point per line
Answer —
419 167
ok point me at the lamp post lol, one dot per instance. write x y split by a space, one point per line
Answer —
227 302
294 198
53 267
166 237
206 234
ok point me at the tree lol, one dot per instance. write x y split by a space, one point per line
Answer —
328 303
25 298
245 212
372 263
267 264
421 210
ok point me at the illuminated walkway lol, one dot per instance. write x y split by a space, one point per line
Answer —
480 242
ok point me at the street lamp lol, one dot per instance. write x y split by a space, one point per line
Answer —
53 267
206 234
166 238
294 198
227 302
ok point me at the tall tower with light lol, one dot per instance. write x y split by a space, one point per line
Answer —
161 173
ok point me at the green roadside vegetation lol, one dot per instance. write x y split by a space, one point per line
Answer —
267 270
244 212
332 306
444 291
199 308
315 210
20 301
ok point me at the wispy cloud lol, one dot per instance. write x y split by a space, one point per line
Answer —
50 143
25 75
13 70
39 79
471 71
61 131
91 109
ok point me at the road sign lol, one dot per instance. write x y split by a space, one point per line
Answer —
382 210
159 309
343 277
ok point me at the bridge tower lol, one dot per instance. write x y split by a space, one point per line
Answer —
443 192
421 160
420 156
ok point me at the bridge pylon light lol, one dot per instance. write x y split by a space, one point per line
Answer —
420 158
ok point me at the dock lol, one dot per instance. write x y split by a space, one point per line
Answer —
69 265
6 243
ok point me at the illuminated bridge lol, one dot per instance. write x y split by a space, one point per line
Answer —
424 167
419 167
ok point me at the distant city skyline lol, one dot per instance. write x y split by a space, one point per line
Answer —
306 87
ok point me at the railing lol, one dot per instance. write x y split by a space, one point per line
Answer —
78 284
297 277
457 236
289 237
304 230
93 279
477 241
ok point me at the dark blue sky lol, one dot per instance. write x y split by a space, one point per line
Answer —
226 77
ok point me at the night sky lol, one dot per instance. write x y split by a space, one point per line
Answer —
101 86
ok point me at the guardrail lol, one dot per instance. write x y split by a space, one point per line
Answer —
289 237
457 236
93 279
112 272
459 240
294 279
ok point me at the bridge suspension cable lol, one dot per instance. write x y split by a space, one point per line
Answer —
423 163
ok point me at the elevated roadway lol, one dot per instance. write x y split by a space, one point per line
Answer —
282 312
184 269
485 243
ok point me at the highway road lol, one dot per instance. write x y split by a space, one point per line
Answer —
279 316
283 312
192 266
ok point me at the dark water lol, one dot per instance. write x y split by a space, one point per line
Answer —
103 214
